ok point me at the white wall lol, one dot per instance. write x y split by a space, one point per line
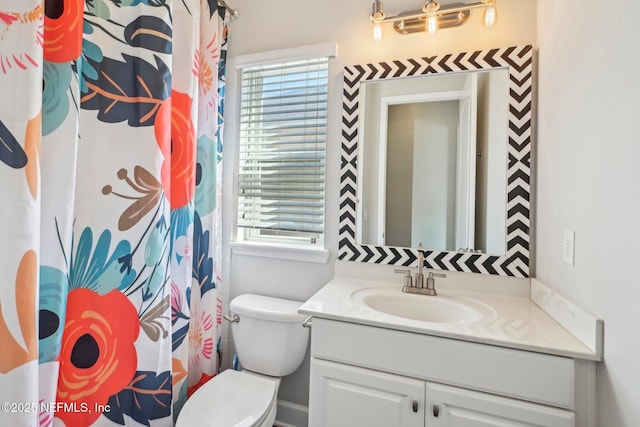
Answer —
434 175
277 24
588 163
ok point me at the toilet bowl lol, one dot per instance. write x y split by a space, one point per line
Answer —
232 399
270 343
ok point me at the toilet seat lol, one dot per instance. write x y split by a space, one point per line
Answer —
231 399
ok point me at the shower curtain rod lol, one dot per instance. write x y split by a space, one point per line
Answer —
233 12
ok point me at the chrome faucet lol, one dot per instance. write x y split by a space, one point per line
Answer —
418 285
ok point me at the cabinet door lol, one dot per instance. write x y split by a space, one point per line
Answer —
347 396
457 407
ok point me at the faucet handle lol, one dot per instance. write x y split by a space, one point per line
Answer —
407 276
431 283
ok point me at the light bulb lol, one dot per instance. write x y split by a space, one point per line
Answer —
432 25
377 33
489 16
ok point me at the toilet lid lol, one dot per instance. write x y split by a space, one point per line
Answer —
232 398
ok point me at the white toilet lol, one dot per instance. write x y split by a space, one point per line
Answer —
270 343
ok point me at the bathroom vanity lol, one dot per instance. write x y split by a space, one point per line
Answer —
464 360
380 357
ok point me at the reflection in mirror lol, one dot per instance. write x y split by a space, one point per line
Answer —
486 207
434 162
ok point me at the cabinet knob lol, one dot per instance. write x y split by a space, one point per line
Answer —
436 410
414 406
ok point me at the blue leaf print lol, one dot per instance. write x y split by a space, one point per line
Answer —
98 8
146 398
154 3
90 51
52 309
149 32
131 90
154 248
11 152
153 283
178 336
98 271
202 262
206 171
55 101
213 6
181 219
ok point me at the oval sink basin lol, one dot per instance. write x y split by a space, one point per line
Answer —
438 309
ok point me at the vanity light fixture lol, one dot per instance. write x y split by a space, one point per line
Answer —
377 16
490 12
431 8
432 17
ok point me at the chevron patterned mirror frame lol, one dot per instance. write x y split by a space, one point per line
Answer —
515 263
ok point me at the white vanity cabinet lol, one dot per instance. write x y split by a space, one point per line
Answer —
453 406
345 395
371 376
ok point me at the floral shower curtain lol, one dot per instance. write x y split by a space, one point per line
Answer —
110 155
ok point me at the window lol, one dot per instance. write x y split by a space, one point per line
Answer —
283 115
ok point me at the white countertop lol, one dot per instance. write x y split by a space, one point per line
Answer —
507 321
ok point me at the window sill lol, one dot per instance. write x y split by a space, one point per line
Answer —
280 251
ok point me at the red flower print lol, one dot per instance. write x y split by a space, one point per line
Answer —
63 22
98 357
178 170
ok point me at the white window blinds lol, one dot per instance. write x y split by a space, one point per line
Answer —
282 149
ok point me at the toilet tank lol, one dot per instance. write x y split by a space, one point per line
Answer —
269 338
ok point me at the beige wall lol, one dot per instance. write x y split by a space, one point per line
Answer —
588 175
277 24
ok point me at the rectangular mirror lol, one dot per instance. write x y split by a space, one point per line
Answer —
437 151
434 160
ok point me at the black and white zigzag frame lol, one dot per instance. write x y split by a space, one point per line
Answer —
515 263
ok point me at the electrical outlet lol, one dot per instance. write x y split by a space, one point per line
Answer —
568 247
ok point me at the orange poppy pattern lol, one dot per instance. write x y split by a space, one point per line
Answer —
98 357
178 170
99 230
63 27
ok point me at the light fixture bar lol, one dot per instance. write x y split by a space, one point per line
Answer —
415 25
444 10
431 17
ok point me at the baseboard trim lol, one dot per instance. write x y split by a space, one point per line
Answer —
291 414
